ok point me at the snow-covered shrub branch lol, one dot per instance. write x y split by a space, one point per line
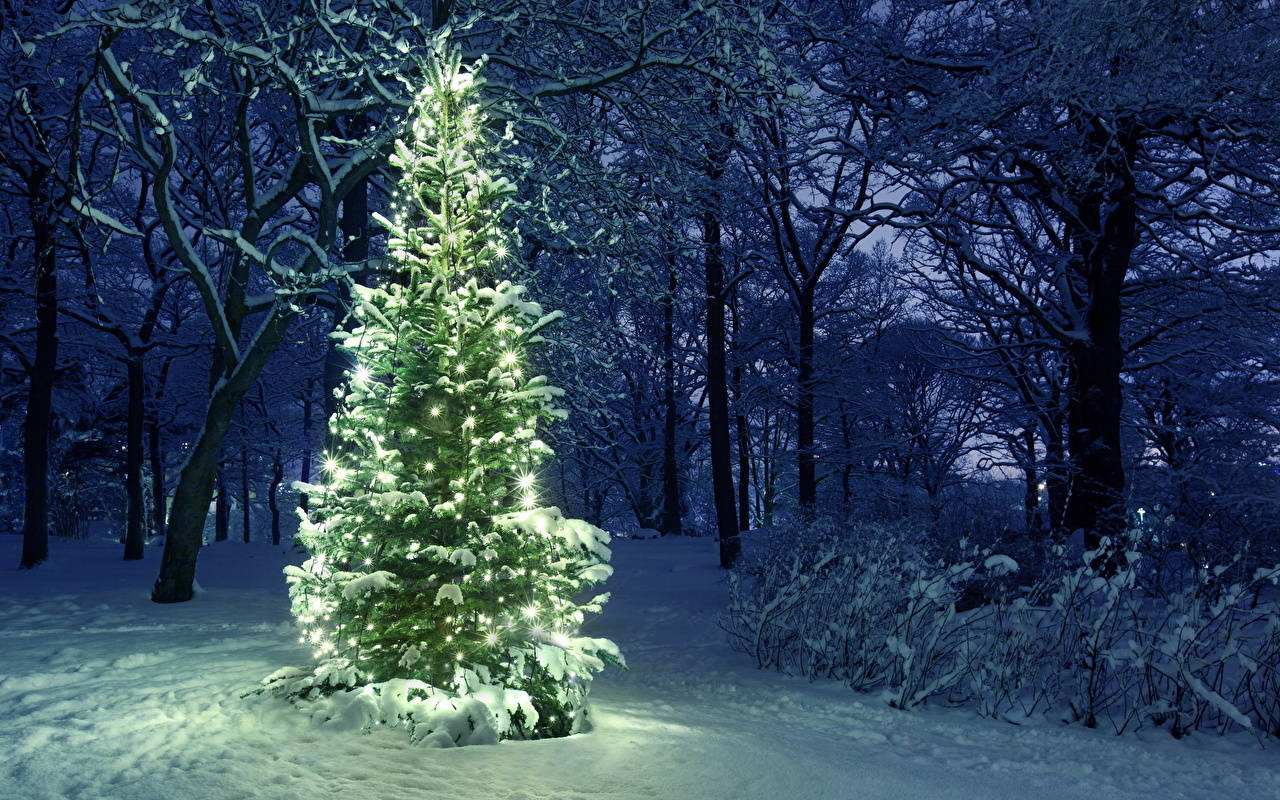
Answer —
868 606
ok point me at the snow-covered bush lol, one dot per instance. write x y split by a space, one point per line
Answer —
863 606
867 605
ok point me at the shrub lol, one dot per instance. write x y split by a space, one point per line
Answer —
874 606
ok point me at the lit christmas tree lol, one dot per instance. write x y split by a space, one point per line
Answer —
439 594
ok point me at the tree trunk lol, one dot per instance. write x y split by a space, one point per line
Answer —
806 468
195 482
354 225
766 479
155 452
672 524
1057 483
244 488
39 418
221 508
718 394
645 506
273 502
1026 453
846 470
742 436
1094 401
304 476
1095 504
596 507
744 473
186 523
158 492
717 152
135 533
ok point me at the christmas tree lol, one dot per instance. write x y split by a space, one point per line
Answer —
440 595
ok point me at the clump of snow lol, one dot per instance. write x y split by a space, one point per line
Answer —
451 592
372 582
1000 565
433 717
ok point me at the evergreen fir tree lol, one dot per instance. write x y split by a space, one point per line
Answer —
438 589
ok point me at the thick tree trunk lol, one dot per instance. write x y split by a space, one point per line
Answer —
135 526
39 418
186 522
646 507
1094 400
1095 504
672 524
195 482
806 467
718 394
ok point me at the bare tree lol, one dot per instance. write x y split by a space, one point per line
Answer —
1114 147
40 97
249 208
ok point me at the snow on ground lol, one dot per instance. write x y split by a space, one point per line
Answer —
104 694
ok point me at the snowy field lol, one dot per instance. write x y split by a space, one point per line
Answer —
104 694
